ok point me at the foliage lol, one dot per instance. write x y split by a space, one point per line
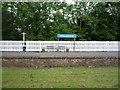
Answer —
44 20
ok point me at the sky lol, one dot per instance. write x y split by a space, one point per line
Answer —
68 1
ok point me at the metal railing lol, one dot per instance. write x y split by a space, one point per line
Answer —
79 45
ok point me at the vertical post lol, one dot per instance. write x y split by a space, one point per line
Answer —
74 45
58 45
58 41
24 43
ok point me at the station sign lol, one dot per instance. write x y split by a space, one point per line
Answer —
66 35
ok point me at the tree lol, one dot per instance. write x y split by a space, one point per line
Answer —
44 20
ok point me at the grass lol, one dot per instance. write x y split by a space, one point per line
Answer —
63 77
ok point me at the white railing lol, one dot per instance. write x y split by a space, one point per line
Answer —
79 45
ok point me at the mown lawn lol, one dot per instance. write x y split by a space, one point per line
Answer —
62 77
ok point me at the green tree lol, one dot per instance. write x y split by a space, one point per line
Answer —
44 20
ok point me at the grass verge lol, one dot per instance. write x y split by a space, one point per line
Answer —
63 77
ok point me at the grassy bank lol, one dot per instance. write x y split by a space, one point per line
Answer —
63 77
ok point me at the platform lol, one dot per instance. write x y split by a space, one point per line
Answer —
60 54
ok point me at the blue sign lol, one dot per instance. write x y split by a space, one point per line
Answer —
66 35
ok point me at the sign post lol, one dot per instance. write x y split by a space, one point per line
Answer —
58 45
24 43
74 45
67 36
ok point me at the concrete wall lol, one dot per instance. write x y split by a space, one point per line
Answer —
49 62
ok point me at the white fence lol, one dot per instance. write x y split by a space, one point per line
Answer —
79 45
